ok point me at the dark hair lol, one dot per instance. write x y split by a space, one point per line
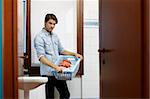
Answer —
51 16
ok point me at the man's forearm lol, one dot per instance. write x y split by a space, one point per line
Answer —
45 61
68 53
72 53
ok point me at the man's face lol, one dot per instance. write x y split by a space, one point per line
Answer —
50 24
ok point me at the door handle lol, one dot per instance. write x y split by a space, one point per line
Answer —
103 50
24 57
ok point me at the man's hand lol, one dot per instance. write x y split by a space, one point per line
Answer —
59 69
79 56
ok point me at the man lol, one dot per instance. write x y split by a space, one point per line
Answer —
48 48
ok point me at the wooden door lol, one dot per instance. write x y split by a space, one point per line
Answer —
120 49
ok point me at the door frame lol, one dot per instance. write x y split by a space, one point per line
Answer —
10 49
145 48
10 45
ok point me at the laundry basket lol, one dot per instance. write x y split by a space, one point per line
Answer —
68 73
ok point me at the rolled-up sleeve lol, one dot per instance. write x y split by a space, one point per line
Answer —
39 46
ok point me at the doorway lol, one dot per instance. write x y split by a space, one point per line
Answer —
91 28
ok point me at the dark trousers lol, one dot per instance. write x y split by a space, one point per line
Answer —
60 85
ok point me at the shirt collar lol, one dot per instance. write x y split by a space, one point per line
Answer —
47 33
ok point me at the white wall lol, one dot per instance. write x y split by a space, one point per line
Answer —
91 46
38 93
